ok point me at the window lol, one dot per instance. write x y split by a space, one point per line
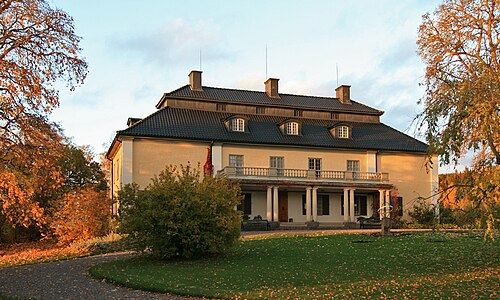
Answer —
343 132
236 161
260 110
315 164
277 162
353 165
292 128
297 113
238 124
323 205
220 107
246 204
360 206
334 116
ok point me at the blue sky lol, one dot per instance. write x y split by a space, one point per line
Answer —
137 50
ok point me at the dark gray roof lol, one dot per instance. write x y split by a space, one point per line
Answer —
262 129
261 98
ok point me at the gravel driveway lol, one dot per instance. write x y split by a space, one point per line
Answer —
67 279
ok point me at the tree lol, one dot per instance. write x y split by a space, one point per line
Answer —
79 169
83 214
179 215
38 48
459 45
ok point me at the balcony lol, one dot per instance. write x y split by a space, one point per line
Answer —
300 174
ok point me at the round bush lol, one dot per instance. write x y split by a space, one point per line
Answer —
181 215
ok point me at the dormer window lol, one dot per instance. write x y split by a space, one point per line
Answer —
342 131
292 128
238 125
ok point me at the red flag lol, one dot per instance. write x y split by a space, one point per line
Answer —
208 168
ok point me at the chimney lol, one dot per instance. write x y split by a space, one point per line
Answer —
344 94
195 81
272 88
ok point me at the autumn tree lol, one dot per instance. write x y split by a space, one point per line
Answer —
459 44
38 48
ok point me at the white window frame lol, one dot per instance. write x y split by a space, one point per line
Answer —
238 125
353 165
343 132
292 128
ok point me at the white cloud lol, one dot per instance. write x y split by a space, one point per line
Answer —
176 42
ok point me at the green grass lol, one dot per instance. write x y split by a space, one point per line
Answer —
417 265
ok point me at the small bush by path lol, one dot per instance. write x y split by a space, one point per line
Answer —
424 264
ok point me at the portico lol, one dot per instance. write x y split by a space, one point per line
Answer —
342 207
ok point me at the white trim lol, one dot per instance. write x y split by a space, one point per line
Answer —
217 157
127 161
371 161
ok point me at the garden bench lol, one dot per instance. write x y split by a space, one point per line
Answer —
365 223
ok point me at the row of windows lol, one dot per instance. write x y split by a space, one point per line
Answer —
290 128
261 110
278 162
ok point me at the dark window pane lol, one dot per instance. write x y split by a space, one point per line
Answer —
325 199
247 204
363 206
303 204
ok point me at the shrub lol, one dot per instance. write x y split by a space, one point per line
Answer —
179 215
84 214
423 213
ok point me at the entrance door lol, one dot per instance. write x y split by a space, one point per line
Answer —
283 206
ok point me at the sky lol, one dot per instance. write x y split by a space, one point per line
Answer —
138 50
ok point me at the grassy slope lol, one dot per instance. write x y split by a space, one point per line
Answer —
417 265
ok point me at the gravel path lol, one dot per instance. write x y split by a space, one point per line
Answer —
67 279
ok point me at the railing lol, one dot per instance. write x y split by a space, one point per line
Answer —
263 173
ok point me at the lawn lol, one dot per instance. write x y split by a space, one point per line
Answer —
412 265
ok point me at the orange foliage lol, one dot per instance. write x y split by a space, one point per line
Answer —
32 252
84 214
38 48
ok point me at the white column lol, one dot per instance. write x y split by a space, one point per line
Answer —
269 212
275 205
346 205
351 206
381 203
308 204
387 203
127 174
217 157
315 204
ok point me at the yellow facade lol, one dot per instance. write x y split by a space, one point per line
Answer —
408 174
